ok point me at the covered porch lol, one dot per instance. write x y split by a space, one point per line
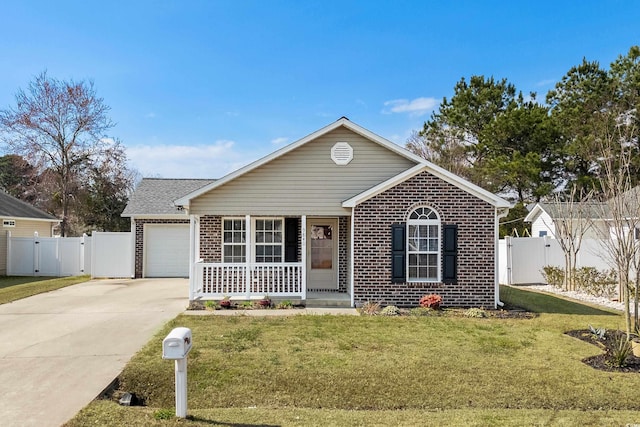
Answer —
297 258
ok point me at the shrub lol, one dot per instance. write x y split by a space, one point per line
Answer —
597 333
211 305
283 305
621 351
589 280
370 308
432 301
595 282
390 310
475 312
554 276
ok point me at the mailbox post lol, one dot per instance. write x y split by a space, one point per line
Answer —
176 346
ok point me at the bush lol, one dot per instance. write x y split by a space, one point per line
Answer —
370 308
589 280
621 351
284 305
595 282
554 276
390 310
475 312
432 301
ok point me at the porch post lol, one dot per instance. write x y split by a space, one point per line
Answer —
192 257
303 253
248 255
351 253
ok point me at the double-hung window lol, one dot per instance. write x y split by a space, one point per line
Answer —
423 245
234 240
268 240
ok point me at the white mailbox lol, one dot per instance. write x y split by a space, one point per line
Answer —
177 344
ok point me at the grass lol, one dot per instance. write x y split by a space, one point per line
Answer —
334 370
13 288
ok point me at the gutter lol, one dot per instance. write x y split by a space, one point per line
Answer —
500 213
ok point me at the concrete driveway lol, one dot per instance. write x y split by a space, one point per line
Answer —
60 349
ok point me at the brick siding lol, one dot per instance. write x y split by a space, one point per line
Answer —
476 244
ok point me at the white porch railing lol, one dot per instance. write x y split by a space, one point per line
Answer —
217 280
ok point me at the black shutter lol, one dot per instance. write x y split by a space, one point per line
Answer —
291 239
450 253
398 253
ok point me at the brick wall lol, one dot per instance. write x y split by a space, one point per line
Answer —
476 244
211 238
139 250
343 253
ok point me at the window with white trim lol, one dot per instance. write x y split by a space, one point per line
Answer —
423 245
269 242
234 240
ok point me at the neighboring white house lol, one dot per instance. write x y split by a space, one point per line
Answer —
543 217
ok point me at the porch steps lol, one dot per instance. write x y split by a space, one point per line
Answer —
328 300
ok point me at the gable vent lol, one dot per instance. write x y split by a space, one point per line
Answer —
341 153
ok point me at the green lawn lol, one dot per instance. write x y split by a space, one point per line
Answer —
13 288
344 370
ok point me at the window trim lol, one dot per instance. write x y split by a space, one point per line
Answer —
438 252
225 244
250 242
254 240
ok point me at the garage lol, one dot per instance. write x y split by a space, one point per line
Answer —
166 250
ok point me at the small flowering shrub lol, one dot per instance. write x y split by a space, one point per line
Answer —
390 310
432 301
475 313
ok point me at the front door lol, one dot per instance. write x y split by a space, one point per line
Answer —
322 253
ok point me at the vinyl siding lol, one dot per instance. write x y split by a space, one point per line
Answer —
305 181
23 228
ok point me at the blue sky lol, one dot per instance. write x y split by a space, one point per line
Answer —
199 88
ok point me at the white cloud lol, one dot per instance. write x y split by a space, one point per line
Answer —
150 115
547 82
415 107
184 161
280 141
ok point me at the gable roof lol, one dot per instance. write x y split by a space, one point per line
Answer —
16 208
155 196
592 210
437 171
343 121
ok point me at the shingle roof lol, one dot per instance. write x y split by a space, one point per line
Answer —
155 196
12 207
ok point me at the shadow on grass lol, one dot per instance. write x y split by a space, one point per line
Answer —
8 281
222 423
539 302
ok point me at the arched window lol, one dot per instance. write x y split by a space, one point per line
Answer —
423 245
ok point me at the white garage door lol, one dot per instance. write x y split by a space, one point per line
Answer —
166 250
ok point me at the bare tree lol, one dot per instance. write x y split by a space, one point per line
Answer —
59 126
621 209
571 223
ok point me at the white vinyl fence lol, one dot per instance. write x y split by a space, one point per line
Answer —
101 255
521 259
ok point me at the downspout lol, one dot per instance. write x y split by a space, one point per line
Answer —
351 252
500 213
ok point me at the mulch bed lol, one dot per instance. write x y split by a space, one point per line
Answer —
603 361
